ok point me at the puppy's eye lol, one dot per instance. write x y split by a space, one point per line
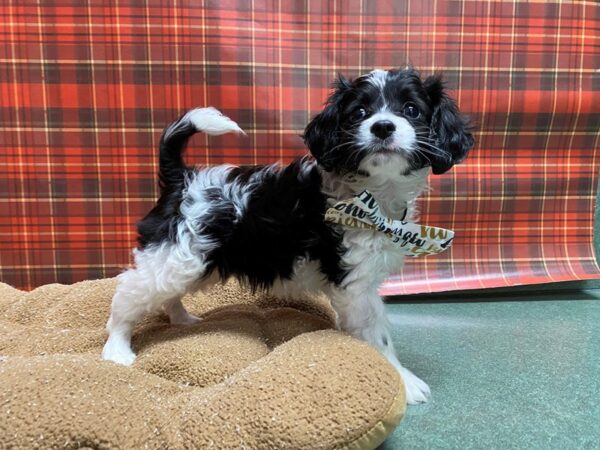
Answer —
358 114
411 110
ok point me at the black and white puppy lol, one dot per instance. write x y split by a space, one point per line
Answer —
265 225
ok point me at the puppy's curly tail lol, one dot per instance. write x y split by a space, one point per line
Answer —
175 137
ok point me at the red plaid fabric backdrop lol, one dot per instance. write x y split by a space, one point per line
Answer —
86 88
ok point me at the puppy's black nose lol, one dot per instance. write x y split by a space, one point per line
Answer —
383 129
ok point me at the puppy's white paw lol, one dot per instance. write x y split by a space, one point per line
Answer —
417 390
118 352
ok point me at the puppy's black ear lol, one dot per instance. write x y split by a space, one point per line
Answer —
450 131
322 133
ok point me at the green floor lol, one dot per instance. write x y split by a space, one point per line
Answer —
520 371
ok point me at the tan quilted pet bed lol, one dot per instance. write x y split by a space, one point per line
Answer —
255 373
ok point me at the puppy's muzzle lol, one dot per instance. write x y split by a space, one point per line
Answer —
383 129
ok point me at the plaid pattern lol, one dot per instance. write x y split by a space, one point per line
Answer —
86 88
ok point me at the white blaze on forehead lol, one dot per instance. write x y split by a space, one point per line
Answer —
377 78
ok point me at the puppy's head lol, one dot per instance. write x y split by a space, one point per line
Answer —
388 120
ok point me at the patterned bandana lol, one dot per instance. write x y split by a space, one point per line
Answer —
411 239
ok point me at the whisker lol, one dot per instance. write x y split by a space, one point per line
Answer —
348 132
419 151
353 158
339 146
443 153
429 144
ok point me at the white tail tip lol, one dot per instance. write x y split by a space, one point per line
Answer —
211 121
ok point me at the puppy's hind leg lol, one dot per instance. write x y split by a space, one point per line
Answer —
174 308
162 274
177 313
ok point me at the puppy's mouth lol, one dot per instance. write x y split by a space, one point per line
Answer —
385 151
387 147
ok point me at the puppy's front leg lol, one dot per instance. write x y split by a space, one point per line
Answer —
361 313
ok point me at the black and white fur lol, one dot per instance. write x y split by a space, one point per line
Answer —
265 225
